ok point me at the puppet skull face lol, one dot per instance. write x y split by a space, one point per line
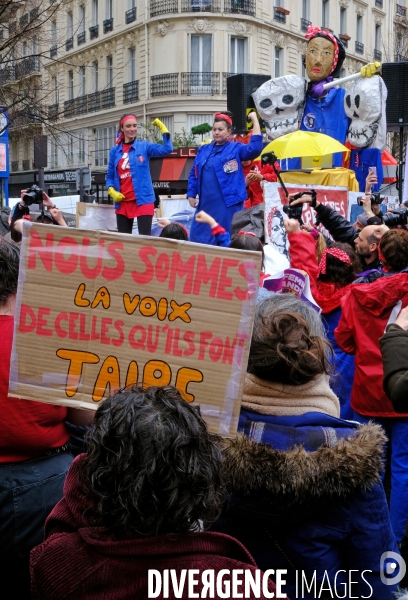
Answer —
363 105
278 102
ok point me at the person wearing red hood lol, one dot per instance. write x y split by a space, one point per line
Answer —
254 173
139 500
329 282
367 309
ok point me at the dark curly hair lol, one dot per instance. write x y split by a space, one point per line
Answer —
338 272
174 231
248 242
288 346
151 466
9 265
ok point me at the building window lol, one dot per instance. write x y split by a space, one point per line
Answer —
131 4
359 29
70 85
109 11
194 120
70 25
200 55
343 20
325 13
377 37
303 66
82 81
306 10
109 71
238 52
168 120
94 12
131 64
55 88
81 28
95 76
53 33
104 140
278 62
54 154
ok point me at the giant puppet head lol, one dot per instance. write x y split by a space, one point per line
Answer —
279 102
325 55
364 104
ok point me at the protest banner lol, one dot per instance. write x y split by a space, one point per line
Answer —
275 200
98 311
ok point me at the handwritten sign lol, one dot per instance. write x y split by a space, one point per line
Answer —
275 200
98 311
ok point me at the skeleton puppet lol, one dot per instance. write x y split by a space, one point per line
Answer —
280 101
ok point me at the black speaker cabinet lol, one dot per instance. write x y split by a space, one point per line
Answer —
239 99
395 77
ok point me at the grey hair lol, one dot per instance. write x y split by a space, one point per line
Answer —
287 303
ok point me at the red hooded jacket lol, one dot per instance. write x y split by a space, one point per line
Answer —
81 561
365 313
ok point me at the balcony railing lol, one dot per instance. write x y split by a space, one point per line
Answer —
107 25
28 65
200 83
164 85
224 81
377 55
278 16
14 165
130 92
401 10
244 7
200 6
304 24
26 165
89 103
93 32
53 112
81 37
24 118
379 3
130 15
359 47
53 51
161 7
69 44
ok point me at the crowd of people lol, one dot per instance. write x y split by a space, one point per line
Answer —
315 485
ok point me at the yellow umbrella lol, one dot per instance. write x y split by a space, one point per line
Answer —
300 144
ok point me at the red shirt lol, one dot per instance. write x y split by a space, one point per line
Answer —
129 207
27 428
254 190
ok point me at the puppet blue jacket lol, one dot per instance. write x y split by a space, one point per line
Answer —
228 168
139 155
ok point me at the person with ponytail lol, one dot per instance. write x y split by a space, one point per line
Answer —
128 176
304 485
216 183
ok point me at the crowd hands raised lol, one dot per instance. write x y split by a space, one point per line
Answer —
299 490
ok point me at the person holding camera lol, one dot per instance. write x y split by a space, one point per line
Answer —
36 195
217 176
128 176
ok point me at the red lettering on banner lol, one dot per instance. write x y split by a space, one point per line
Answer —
26 312
147 275
118 325
44 252
226 281
61 333
182 269
42 323
206 275
66 265
115 272
91 272
204 336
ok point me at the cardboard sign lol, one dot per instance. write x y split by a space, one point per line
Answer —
275 200
98 311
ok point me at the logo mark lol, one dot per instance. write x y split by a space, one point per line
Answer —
392 568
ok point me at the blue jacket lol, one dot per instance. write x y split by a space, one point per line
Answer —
306 495
139 155
228 168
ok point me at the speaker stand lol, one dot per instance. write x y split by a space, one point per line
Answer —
401 164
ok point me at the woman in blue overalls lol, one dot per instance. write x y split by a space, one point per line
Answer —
217 176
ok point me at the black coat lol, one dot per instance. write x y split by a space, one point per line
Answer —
394 350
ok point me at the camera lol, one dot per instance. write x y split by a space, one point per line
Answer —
34 195
375 199
398 216
269 158
295 212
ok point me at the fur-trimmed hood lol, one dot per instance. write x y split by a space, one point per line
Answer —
296 475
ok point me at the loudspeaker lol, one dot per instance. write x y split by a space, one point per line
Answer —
40 151
395 77
239 99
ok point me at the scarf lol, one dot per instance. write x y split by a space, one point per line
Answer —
278 399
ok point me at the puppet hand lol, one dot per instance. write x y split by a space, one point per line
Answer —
161 126
116 196
317 89
370 69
